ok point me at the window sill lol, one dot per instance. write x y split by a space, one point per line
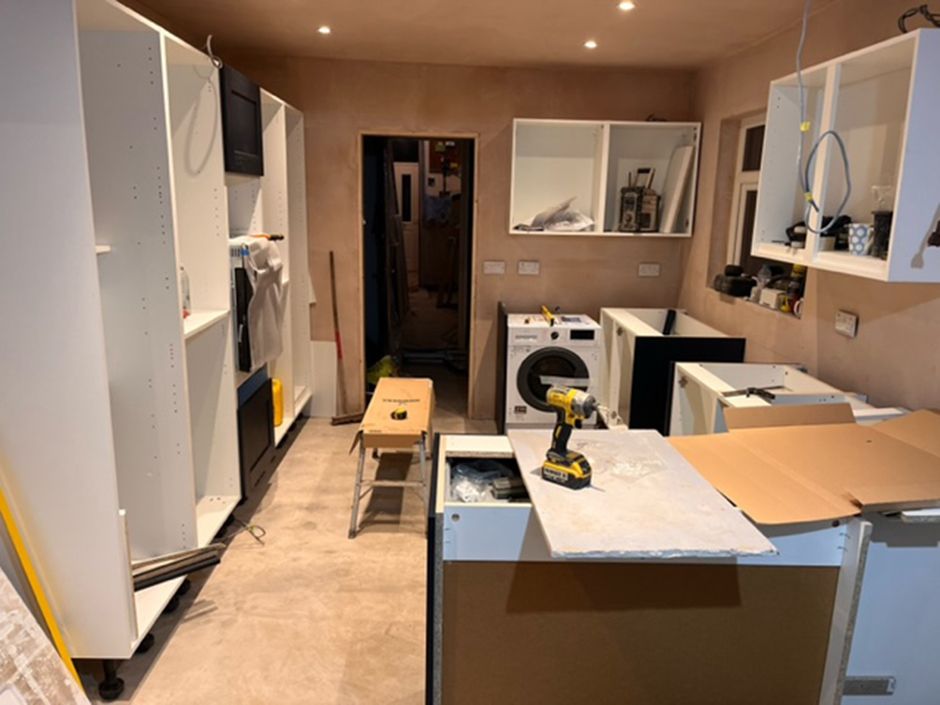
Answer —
752 305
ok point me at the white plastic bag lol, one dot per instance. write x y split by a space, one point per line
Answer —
562 218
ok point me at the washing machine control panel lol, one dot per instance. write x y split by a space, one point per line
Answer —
570 331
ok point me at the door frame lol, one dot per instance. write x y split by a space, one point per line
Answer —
423 135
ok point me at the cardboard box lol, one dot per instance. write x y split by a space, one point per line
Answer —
379 430
791 464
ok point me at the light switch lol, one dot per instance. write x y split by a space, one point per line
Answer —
528 267
846 324
649 269
494 266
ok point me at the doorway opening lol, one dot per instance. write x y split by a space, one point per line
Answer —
417 206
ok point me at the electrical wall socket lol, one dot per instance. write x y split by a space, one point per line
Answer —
528 267
649 269
846 324
494 266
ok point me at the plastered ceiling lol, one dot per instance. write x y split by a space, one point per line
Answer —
668 33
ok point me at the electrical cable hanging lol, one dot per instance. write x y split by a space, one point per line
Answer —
805 170
216 61
923 10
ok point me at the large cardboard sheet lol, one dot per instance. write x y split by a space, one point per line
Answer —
645 501
821 470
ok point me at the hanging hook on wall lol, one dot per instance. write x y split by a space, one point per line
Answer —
216 61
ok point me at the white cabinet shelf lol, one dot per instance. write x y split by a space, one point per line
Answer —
149 604
198 321
883 102
589 161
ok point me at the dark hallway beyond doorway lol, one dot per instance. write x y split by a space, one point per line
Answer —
418 226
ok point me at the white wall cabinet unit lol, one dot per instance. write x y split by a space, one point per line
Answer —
120 131
883 102
276 204
699 394
590 160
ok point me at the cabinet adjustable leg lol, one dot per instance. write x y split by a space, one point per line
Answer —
146 644
111 687
172 605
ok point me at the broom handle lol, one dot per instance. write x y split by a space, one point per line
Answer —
339 339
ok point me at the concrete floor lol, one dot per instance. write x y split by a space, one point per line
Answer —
310 616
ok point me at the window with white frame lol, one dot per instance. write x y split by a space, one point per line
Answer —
744 198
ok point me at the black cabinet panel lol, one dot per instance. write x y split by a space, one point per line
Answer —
654 362
241 123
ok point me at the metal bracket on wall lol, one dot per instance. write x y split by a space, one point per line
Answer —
869 685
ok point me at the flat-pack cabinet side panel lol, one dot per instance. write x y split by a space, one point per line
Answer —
274 183
274 199
128 156
299 262
917 213
56 455
898 613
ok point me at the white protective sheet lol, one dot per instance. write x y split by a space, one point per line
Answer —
645 501
268 301
31 672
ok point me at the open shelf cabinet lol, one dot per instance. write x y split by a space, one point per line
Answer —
883 102
275 203
134 143
589 161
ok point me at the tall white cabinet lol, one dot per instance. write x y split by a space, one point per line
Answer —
158 194
118 431
57 456
275 204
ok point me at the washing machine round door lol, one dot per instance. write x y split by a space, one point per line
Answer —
549 367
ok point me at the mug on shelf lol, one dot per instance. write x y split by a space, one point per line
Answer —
861 236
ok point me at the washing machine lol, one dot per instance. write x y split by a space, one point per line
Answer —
540 355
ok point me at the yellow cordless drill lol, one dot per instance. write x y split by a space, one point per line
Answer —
562 466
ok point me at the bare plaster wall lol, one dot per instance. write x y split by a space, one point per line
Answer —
894 358
343 99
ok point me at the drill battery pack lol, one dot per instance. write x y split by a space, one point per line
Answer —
573 472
